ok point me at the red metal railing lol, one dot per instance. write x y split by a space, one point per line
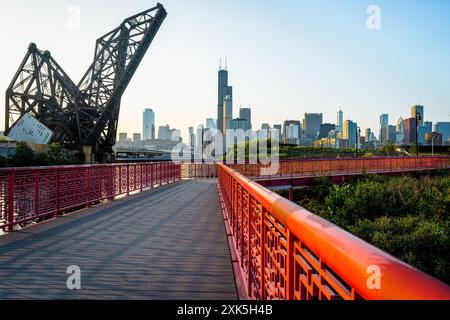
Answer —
321 167
286 252
30 194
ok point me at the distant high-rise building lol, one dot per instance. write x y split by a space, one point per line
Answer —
148 126
384 122
298 127
427 127
433 138
191 138
311 124
164 133
137 140
409 131
210 123
223 90
418 110
368 135
246 113
227 112
238 123
279 128
137 137
123 137
391 134
340 121
325 128
350 130
444 129
292 135
400 131
266 128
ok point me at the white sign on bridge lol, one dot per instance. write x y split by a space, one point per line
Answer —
29 129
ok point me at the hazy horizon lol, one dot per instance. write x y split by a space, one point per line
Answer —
285 58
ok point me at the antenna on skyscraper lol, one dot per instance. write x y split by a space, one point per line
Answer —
220 64
226 64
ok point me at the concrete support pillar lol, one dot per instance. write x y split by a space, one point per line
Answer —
88 156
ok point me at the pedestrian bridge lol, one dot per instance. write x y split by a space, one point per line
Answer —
163 231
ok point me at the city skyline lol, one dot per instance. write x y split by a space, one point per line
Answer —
334 61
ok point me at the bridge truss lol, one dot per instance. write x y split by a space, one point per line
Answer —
85 114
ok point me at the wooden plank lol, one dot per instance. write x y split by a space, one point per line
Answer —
169 243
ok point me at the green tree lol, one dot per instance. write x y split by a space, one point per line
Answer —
41 159
55 154
24 155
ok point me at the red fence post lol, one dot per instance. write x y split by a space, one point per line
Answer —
57 195
11 202
100 184
128 179
74 188
88 186
111 182
36 193
142 176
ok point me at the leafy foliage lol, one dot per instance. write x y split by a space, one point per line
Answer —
26 157
407 216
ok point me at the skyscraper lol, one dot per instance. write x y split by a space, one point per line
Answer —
368 135
148 126
349 133
340 121
292 134
444 129
224 90
191 138
278 128
418 110
238 123
246 113
227 108
427 127
409 131
287 124
325 129
123 136
400 131
164 133
210 123
311 124
384 122
391 134
137 141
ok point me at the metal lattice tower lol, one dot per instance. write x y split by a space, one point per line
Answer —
85 114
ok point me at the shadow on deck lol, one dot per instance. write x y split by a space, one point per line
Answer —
169 243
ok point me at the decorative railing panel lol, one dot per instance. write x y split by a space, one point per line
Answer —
30 194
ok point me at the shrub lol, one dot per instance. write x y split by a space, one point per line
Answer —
407 216
24 155
422 243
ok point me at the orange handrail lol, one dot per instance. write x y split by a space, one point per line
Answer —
286 252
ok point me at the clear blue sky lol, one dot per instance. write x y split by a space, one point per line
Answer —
285 57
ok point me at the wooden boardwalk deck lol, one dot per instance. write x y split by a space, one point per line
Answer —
169 243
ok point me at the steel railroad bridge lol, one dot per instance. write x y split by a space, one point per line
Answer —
192 231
